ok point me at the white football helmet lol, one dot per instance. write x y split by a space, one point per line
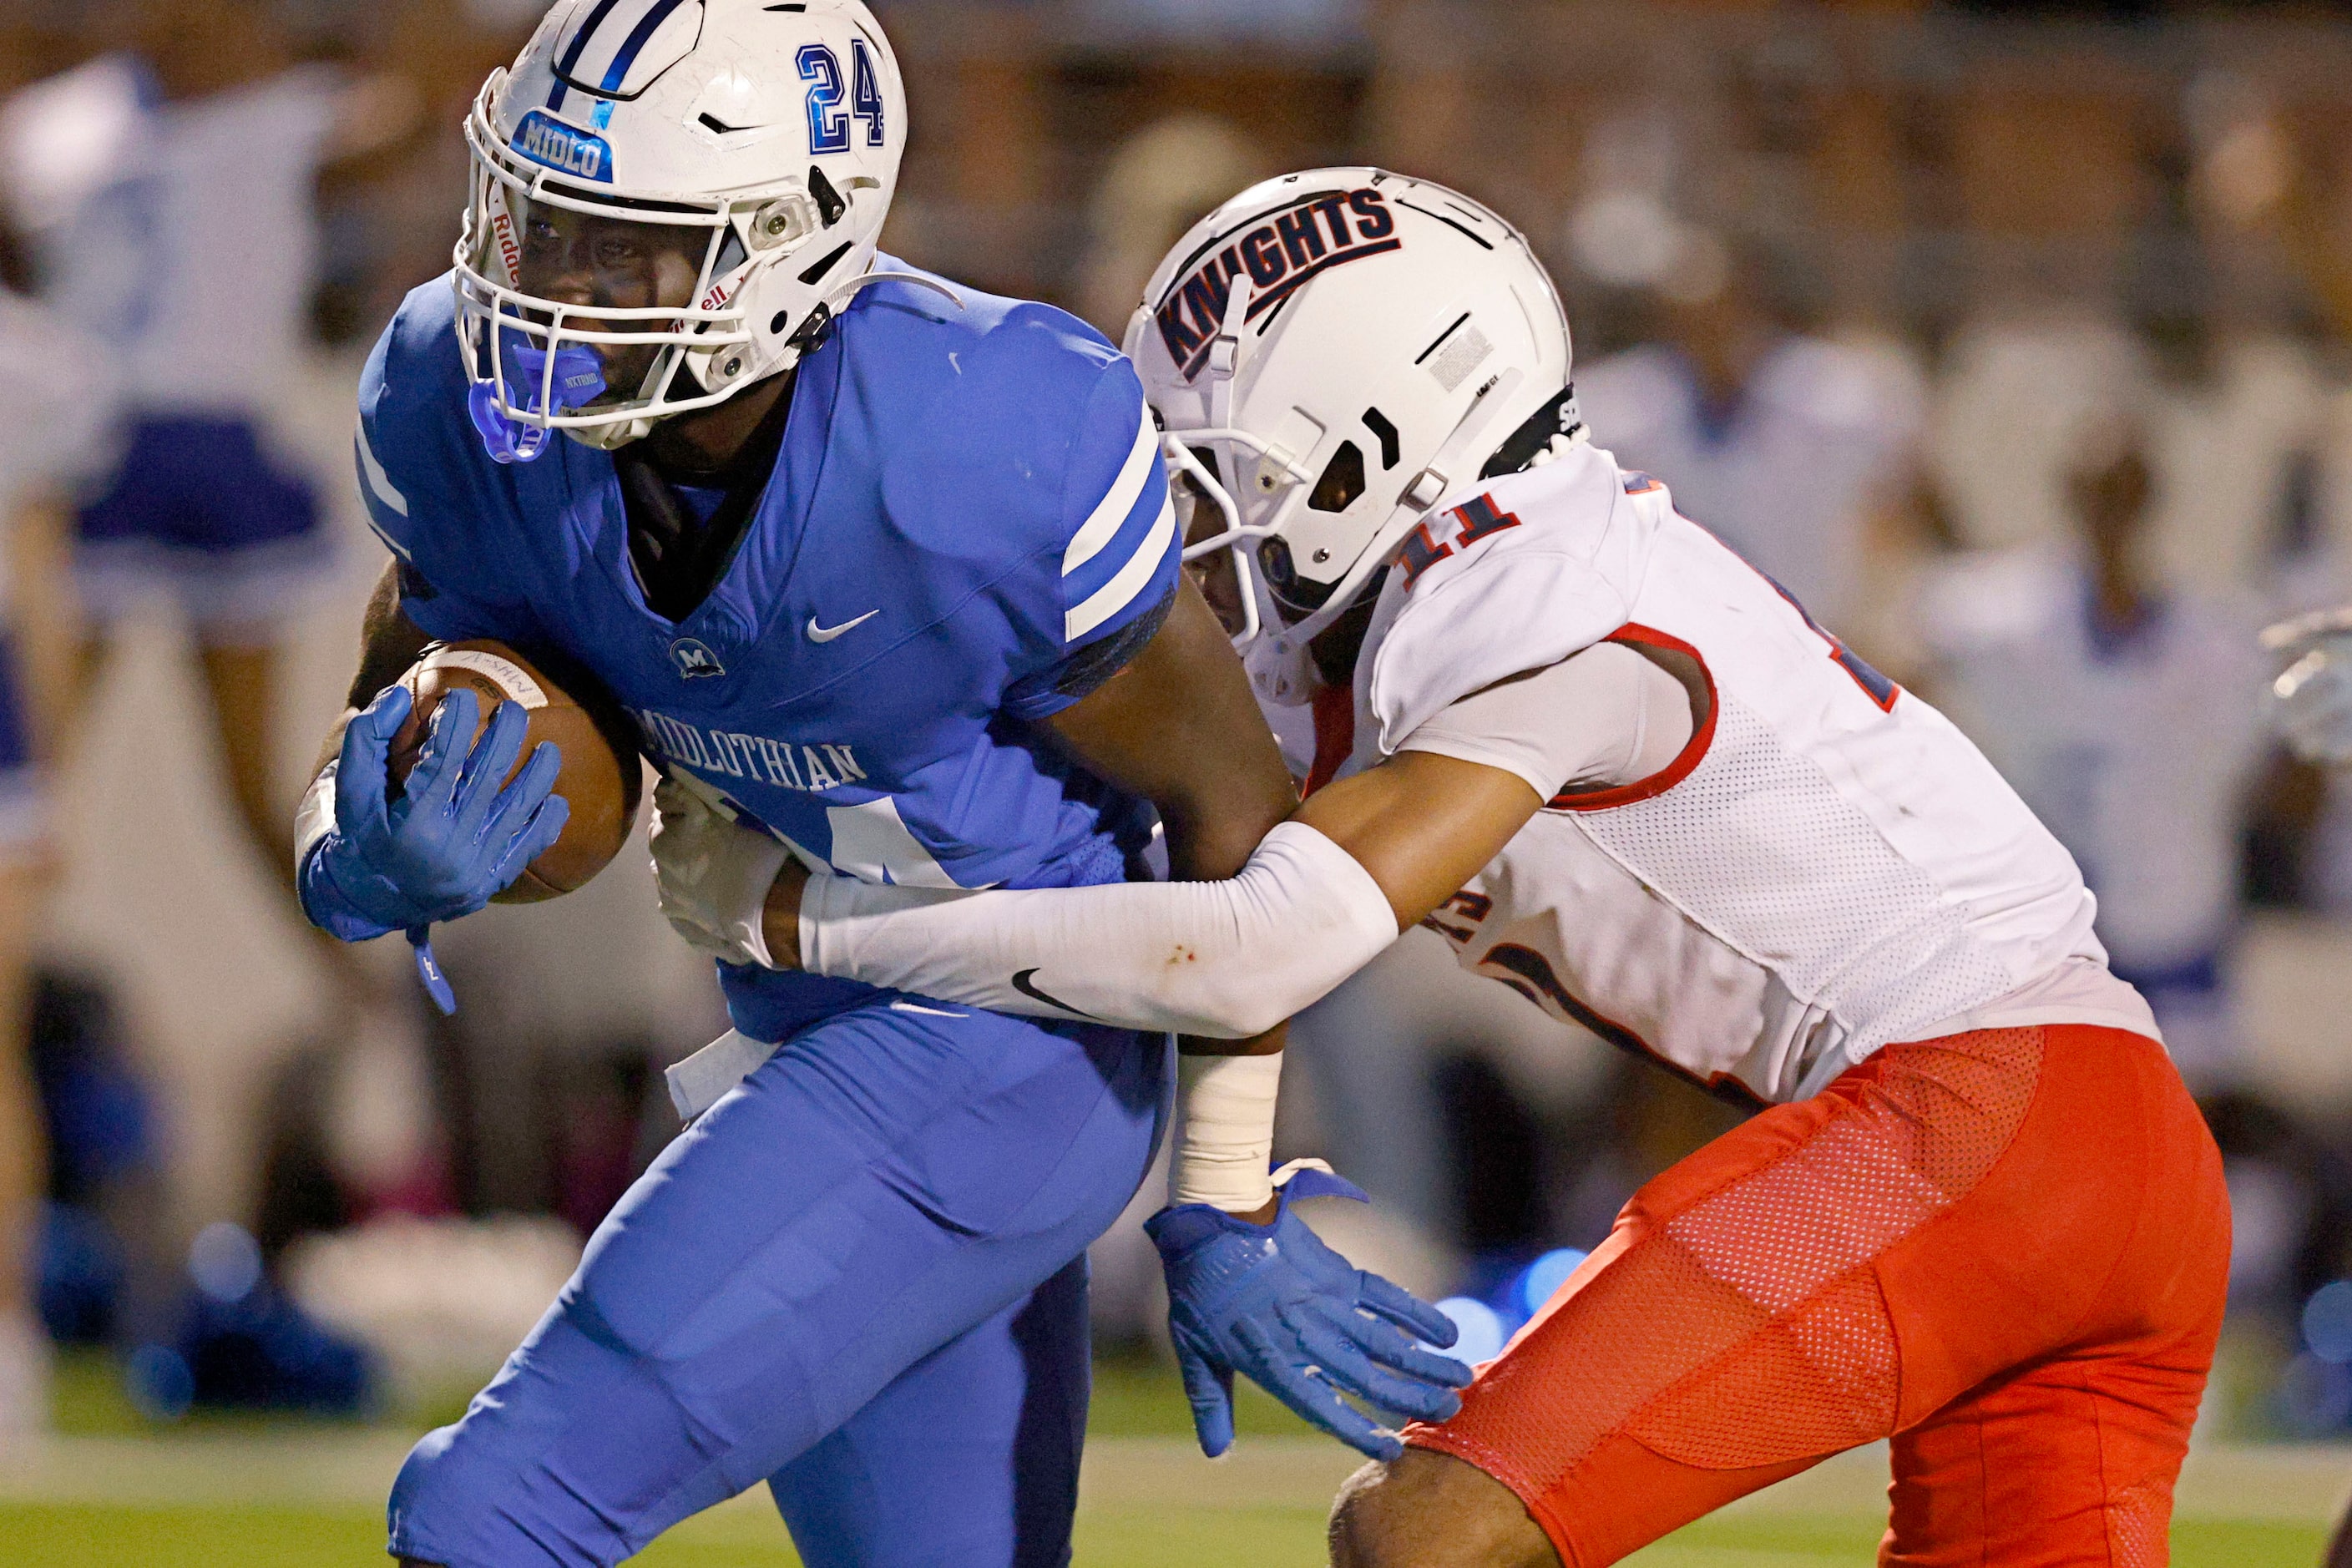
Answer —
1329 353
775 128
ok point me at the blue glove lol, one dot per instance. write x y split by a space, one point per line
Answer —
452 839
1305 1324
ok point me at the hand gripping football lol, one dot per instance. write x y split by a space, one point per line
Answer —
601 779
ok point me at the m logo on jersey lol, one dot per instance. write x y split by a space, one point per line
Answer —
543 139
694 659
1313 235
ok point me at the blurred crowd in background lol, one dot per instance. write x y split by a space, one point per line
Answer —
2015 342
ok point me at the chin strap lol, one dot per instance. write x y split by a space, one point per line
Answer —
842 292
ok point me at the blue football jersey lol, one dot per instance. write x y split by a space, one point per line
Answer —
966 501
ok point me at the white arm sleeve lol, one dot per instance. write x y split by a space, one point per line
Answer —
1227 960
1601 717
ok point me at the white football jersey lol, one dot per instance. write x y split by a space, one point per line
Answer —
1827 867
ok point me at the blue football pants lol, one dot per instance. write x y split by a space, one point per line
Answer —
861 1276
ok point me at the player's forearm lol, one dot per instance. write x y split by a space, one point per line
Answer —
389 643
1228 959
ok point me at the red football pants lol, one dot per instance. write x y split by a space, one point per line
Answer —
2008 1250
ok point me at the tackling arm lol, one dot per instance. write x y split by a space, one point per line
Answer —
1251 1289
389 643
1326 891
1323 895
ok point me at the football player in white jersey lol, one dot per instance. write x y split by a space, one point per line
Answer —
1625 775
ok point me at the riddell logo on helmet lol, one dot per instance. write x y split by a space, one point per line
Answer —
545 140
510 253
1313 235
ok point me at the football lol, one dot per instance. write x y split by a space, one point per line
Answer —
602 779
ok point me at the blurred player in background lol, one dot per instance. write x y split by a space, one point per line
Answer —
889 568
2124 712
1624 774
57 405
54 404
175 184
2311 704
1787 444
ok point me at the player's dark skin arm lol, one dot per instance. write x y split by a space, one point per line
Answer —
1178 727
389 643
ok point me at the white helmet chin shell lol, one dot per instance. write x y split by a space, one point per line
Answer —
779 131
1330 319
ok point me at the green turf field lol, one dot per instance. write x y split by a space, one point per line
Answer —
251 1494
49 1536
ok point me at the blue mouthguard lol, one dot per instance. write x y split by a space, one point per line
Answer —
579 381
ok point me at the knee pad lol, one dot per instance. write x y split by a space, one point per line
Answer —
426 1514
467 1497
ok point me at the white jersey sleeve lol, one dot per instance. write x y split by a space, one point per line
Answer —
1599 719
1481 613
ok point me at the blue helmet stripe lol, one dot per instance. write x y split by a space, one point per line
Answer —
579 46
618 71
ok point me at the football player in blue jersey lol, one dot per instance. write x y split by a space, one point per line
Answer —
886 568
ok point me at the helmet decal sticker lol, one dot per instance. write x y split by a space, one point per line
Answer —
1283 249
543 139
828 123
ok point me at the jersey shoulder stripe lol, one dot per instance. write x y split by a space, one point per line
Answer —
1111 514
375 485
1142 568
1118 554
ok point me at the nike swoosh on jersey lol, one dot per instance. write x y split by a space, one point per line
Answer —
1021 983
826 633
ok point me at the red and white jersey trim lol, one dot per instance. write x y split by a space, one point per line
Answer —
1827 867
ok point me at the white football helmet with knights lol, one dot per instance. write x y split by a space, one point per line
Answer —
1329 354
757 142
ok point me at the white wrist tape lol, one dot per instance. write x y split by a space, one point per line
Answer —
1227 959
315 818
711 875
1224 1132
